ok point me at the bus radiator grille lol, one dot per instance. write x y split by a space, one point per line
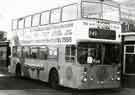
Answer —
102 73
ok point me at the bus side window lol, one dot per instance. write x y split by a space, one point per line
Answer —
67 54
55 15
69 12
19 52
34 53
52 53
43 53
26 52
70 53
73 51
14 51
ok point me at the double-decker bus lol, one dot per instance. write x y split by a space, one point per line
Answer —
76 45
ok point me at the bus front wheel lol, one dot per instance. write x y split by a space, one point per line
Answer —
54 79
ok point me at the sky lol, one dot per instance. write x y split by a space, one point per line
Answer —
11 9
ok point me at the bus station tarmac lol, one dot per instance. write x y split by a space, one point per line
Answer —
125 91
10 85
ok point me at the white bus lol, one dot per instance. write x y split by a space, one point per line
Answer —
76 46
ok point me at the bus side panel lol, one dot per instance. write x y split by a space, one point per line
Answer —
43 74
29 68
34 70
99 77
51 64
12 66
68 71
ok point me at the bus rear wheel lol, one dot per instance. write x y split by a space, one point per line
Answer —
18 70
54 79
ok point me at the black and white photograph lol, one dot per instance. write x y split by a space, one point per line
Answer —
67 47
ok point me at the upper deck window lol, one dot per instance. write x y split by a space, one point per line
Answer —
110 12
36 20
91 10
20 23
55 15
45 17
14 24
69 12
100 10
28 21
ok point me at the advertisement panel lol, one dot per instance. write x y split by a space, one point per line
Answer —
71 32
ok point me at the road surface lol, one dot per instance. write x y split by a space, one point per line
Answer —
11 85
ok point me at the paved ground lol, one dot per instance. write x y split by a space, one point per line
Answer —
58 92
10 85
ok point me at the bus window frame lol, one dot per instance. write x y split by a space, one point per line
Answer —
50 18
76 4
99 52
82 9
39 19
23 21
3 52
19 51
70 56
29 50
30 21
14 51
40 50
49 57
14 27
113 7
32 50
24 51
104 3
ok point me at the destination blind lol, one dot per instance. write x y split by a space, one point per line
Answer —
102 33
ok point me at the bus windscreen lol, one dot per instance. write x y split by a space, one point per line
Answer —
100 10
98 53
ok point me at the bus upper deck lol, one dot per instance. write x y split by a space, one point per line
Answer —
70 23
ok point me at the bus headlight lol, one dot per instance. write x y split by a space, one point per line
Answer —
84 75
91 78
118 72
84 79
118 78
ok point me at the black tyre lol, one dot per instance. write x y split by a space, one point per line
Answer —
18 70
54 79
